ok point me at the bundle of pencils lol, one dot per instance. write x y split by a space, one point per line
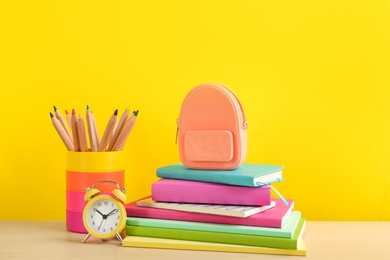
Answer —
74 136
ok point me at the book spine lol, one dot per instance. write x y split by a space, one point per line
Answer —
209 193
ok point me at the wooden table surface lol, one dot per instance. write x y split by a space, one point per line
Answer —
324 240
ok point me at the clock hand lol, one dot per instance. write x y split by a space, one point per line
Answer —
101 223
104 217
112 212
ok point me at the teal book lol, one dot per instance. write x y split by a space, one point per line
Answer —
217 237
287 231
248 174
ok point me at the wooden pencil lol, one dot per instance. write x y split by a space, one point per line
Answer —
95 129
61 119
108 133
76 142
68 118
119 128
120 142
61 132
91 131
82 134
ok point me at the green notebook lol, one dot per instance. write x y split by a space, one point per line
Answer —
286 231
217 237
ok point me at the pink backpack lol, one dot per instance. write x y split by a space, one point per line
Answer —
212 129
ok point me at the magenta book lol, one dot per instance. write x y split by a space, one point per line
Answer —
183 191
274 217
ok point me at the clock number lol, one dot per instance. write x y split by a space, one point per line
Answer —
99 204
111 229
106 203
94 209
91 216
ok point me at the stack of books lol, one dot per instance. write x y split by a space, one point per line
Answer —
227 210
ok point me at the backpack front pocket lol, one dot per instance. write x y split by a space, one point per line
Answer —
208 146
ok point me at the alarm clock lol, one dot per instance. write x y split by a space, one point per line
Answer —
104 216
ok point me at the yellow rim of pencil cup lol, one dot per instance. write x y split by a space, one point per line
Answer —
95 161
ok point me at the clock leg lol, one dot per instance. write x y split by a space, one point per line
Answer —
119 237
86 238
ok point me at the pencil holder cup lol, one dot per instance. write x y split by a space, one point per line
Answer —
83 169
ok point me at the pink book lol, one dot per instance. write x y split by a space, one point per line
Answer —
274 217
184 191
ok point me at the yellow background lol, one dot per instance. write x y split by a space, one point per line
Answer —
313 77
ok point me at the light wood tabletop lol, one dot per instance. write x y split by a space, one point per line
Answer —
324 240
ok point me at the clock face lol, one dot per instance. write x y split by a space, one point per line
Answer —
104 216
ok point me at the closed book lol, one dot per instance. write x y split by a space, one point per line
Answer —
274 217
183 191
151 242
217 237
286 231
247 174
216 209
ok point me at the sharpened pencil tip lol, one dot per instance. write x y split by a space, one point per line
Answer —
51 115
55 109
73 112
87 107
116 112
136 113
66 112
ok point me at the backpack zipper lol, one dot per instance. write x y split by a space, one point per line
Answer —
177 130
244 123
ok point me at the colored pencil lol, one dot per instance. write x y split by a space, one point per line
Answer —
75 139
82 134
61 119
76 142
61 132
68 118
91 131
108 133
95 129
120 142
119 128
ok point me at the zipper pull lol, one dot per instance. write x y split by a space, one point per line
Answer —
245 125
177 130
